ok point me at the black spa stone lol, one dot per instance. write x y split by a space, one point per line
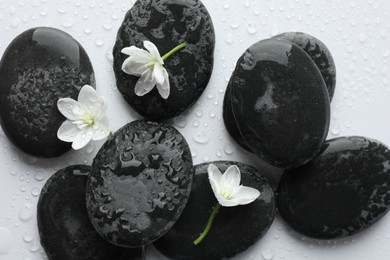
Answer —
280 103
340 193
140 183
40 66
319 53
168 23
63 222
234 228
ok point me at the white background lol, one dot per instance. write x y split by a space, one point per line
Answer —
356 32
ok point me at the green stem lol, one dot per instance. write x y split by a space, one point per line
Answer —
208 226
176 49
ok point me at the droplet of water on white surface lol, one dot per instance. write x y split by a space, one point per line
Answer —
28 237
99 42
39 176
67 23
228 149
6 240
35 191
268 254
180 121
25 213
200 137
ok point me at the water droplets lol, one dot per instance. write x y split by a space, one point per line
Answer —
200 137
228 149
268 254
39 176
25 213
180 121
99 42
67 22
252 28
28 237
35 191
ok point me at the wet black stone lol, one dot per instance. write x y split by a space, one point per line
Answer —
318 52
140 183
168 23
63 222
340 193
280 103
229 120
234 228
40 66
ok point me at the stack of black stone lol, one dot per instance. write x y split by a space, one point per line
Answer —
277 106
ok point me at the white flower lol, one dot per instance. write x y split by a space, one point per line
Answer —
227 188
86 119
148 65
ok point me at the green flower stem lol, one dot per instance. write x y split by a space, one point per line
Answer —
176 49
208 226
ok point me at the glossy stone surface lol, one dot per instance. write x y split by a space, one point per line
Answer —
280 103
168 23
140 183
228 117
63 222
318 52
340 193
234 228
40 66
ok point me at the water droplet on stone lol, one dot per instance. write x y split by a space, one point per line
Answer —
22 188
235 25
194 153
229 39
219 153
6 240
228 149
195 123
268 254
200 137
206 158
276 235
29 159
87 30
107 26
34 247
61 9
28 237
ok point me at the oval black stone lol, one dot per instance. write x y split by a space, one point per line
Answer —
168 23
63 222
40 66
234 228
341 192
318 52
140 183
280 103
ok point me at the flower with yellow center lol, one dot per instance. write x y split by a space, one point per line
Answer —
86 119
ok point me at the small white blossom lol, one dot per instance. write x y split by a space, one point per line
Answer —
86 119
227 188
148 65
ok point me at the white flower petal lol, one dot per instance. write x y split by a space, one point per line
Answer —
83 138
145 84
132 50
245 195
153 50
231 178
67 131
100 129
134 67
70 108
158 73
215 176
225 202
89 99
164 89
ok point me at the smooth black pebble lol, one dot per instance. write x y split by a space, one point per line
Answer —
280 103
40 66
234 228
168 23
63 222
140 183
343 191
318 52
